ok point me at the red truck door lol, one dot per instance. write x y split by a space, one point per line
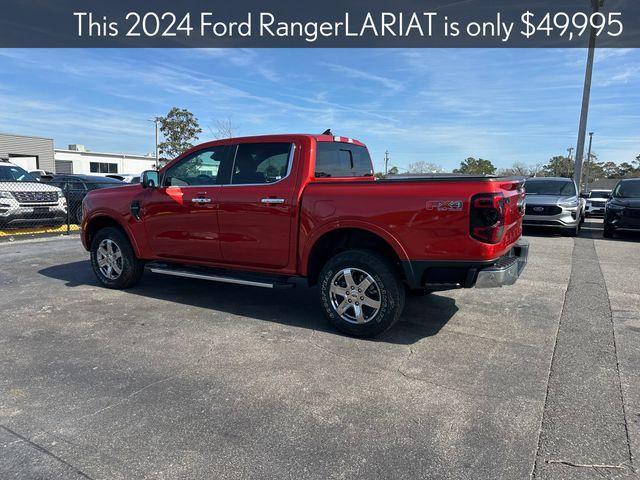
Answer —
181 216
256 207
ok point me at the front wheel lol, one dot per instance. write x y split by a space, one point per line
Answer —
113 259
608 231
361 293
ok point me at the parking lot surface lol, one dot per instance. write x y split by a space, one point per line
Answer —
193 379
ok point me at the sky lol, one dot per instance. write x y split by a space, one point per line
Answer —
433 105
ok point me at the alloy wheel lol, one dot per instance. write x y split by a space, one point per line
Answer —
109 259
355 295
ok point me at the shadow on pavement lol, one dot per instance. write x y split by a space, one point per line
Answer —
299 307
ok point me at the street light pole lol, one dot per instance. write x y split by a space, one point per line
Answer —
155 120
586 180
157 152
586 93
386 162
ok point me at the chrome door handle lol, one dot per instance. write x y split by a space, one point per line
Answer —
272 200
200 200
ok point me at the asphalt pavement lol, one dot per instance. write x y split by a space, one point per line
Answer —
191 379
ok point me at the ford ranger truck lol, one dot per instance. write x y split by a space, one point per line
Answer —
263 210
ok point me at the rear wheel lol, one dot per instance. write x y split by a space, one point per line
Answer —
361 293
418 292
113 259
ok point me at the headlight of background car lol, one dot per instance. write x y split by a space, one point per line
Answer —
5 194
614 207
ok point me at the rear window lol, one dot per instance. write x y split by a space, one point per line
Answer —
335 159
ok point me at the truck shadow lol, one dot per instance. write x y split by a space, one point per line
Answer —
298 307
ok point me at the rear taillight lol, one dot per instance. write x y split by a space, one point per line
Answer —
487 217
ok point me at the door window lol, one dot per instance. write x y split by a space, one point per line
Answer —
257 163
204 167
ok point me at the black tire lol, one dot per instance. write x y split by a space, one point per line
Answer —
418 292
77 215
388 290
608 231
571 231
131 268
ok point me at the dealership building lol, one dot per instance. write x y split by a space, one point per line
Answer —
38 153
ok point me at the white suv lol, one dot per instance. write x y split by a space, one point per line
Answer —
26 202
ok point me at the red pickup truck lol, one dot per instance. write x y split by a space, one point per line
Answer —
263 210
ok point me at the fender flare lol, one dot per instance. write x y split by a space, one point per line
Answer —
319 232
115 217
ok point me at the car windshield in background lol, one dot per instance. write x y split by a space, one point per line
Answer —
550 187
628 189
12 173
599 194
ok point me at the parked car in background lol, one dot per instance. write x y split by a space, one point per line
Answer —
37 174
622 211
26 202
76 188
595 202
126 177
554 202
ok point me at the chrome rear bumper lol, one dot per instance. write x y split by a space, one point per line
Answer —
507 269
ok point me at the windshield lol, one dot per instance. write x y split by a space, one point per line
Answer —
550 187
13 173
599 194
627 190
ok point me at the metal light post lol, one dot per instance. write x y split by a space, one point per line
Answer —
586 93
586 180
155 120
386 162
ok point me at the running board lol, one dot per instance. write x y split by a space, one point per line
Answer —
203 275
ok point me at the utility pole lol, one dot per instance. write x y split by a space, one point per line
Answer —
156 120
586 93
386 162
570 150
586 180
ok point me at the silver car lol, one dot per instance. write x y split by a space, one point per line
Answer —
554 202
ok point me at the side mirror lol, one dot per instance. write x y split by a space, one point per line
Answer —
150 179
609 195
584 195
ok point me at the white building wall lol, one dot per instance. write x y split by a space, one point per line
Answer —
134 164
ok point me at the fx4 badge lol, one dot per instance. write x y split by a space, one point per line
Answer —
445 205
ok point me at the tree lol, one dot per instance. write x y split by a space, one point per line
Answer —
179 129
423 167
610 169
519 169
475 166
558 166
381 175
224 129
